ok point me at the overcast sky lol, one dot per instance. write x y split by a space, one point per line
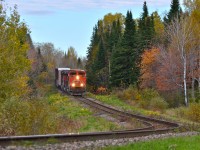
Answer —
68 23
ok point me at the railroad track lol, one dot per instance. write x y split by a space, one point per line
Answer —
152 126
151 123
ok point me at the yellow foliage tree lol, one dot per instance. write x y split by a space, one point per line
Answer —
158 24
14 63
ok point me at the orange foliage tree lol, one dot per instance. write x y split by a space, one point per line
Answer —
149 65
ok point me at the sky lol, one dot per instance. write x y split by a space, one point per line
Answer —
68 23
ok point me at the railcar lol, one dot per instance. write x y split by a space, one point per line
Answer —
72 81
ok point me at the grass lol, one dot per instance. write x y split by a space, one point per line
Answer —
177 115
98 124
79 119
179 143
55 113
116 102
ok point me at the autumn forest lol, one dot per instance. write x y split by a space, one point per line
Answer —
148 52
150 64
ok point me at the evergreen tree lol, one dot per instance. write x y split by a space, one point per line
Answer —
105 36
175 11
100 58
118 73
146 29
123 57
145 11
145 36
91 54
79 63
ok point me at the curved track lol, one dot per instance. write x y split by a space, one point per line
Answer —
152 126
152 123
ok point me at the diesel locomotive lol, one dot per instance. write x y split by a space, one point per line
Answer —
72 81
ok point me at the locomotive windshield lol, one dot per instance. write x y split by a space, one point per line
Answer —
72 73
81 73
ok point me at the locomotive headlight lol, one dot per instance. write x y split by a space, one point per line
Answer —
77 77
73 84
82 84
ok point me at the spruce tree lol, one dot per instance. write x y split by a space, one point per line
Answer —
175 11
100 61
91 52
146 29
123 57
145 36
145 11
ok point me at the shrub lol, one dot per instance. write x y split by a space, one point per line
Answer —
158 103
102 90
173 98
27 117
143 104
181 112
148 94
194 112
146 97
130 93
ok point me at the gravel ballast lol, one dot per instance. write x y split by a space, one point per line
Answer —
97 144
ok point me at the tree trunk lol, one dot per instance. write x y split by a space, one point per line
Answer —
184 80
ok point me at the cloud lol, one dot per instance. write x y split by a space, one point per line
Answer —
45 7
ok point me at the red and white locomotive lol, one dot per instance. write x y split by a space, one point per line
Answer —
69 80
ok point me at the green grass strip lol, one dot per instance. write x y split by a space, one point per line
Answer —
178 143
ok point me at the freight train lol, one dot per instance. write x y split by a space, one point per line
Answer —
72 81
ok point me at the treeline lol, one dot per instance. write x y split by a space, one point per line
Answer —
45 58
147 52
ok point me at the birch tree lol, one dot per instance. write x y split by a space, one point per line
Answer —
180 36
